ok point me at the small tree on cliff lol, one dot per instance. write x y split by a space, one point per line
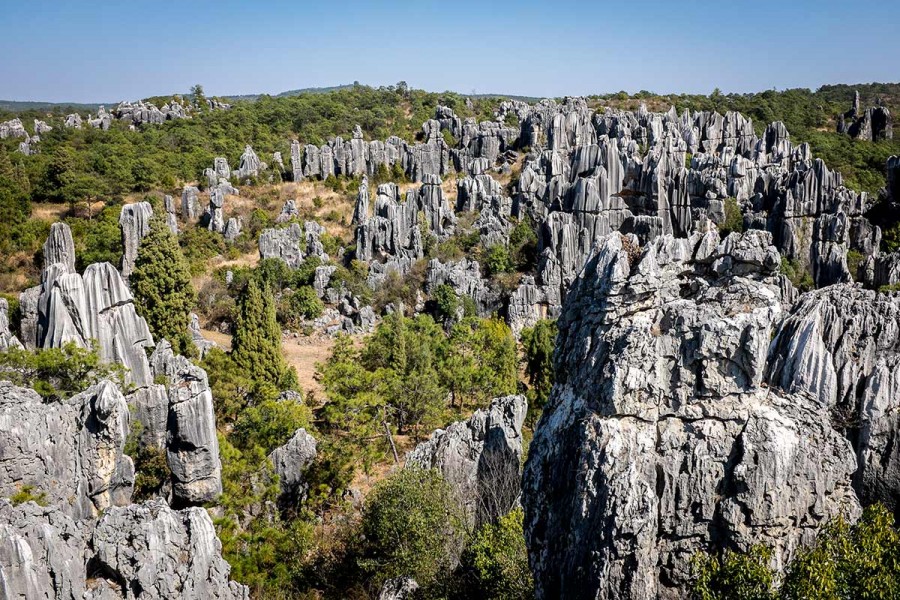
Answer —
257 338
161 284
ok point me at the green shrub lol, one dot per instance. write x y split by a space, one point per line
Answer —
500 559
151 468
538 343
446 302
28 493
860 561
413 527
523 244
734 219
57 373
497 260
734 576
797 274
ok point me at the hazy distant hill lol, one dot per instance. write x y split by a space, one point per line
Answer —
17 106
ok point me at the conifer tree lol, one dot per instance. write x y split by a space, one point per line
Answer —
161 284
256 346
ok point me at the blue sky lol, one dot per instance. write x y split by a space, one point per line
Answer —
80 51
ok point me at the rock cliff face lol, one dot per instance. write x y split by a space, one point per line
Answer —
143 547
192 449
293 244
70 451
588 176
661 437
480 458
138 551
842 345
179 416
135 224
68 307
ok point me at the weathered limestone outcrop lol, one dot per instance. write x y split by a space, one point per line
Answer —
203 345
250 165
291 462
60 247
135 223
842 345
464 276
192 449
661 438
293 244
871 124
8 339
190 203
102 121
162 553
288 211
71 451
399 588
73 121
138 551
42 553
12 129
171 214
96 307
480 458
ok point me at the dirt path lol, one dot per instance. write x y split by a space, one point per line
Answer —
302 353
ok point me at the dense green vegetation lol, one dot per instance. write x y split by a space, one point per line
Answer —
859 561
161 284
412 376
57 373
412 527
538 343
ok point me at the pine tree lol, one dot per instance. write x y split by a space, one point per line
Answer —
256 346
161 284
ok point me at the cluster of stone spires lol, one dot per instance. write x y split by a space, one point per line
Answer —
872 124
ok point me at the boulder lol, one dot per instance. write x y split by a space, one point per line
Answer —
480 458
291 462
162 553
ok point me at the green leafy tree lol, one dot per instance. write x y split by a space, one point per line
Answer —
57 373
161 283
860 561
355 410
500 559
734 576
538 343
256 345
481 362
413 527
446 302
497 260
